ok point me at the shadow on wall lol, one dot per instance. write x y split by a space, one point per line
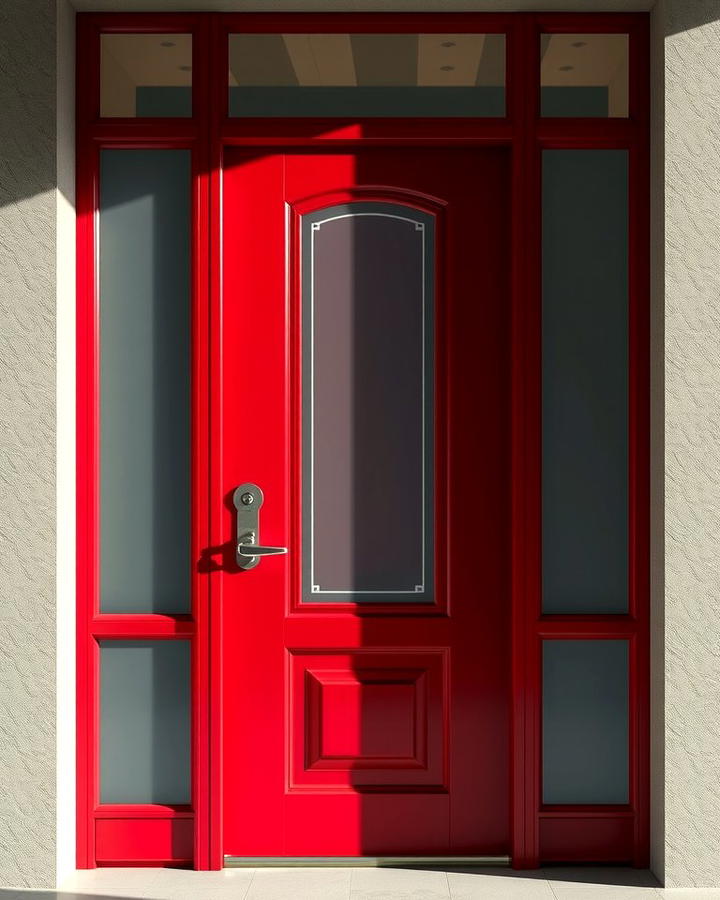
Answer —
681 15
27 94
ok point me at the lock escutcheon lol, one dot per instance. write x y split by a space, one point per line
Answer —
248 499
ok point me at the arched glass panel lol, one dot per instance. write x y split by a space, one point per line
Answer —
367 298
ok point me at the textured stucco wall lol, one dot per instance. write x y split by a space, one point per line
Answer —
692 442
65 424
27 442
657 446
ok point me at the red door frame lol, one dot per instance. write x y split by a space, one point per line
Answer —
145 834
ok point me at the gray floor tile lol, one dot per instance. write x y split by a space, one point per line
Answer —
399 884
300 884
551 883
228 884
111 882
600 875
505 884
601 883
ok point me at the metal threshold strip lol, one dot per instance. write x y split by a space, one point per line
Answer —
365 861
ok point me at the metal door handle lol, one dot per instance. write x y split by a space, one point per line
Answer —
246 547
247 499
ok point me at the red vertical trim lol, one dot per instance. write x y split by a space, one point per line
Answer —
86 437
202 761
217 101
524 85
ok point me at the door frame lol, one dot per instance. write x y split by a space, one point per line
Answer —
145 834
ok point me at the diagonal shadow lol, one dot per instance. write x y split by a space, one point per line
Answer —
683 16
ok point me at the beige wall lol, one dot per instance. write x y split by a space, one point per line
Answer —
27 442
687 710
37 422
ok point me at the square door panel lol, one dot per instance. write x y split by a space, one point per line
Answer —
372 720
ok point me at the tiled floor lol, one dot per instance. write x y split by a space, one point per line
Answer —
363 884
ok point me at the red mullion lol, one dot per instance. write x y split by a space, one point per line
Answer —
150 627
382 132
365 23
639 73
142 811
588 133
216 106
87 513
585 810
523 69
93 714
200 525
167 133
590 22
586 627
88 71
142 22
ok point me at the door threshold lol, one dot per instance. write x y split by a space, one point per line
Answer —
364 861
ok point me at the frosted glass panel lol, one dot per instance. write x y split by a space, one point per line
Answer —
144 381
585 722
366 75
585 381
145 722
368 404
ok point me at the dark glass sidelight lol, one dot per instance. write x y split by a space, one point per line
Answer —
585 721
585 381
368 275
144 262
145 721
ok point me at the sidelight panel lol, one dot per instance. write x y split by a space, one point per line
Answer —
144 227
585 721
585 381
368 278
145 722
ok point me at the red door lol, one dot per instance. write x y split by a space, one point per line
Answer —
365 393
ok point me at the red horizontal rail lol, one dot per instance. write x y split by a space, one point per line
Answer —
586 627
132 626
142 811
589 812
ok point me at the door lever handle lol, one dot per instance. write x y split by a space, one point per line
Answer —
246 547
247 500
